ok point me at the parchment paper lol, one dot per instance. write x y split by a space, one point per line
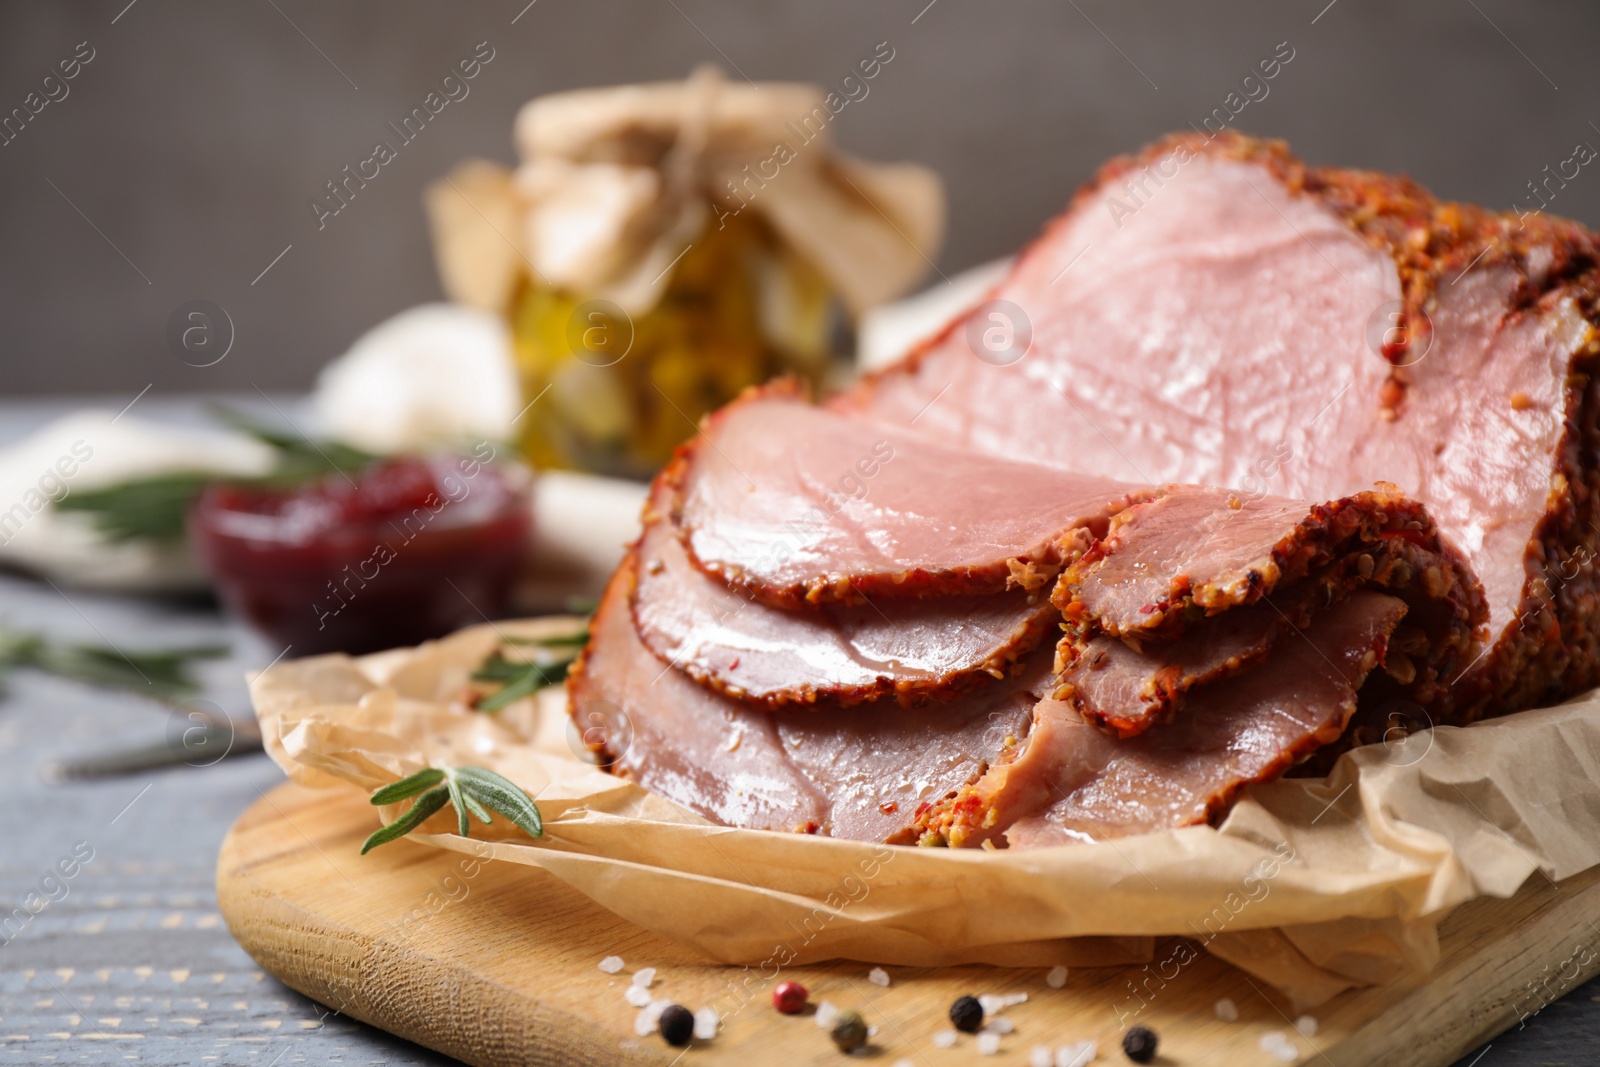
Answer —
1314 886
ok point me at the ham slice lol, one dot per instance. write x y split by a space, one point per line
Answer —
1201 585
1070 782
1213 311
799 505
819 771
910 650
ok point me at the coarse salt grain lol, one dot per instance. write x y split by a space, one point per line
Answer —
1012 999
1078 1054
1276 1043
999 1026
644 977
878 976
1307 1025
905 1063
945 1039
611 964
988 1044
706 1021
644 1024
1056 978
826 1013
1041 1056
638 996
1227 1010
991 1003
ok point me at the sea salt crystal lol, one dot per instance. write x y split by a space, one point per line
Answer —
878 976
999 1026
1307 1025
988 1044
644 1024
611 964
905 1063
1227 1010
1013 999
1056 978
644 977
991 1003
1077 1054
638 996
1276 1043
706 1021
826 1013
945 1039
1041 1056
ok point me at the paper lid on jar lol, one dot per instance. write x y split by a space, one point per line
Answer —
616 183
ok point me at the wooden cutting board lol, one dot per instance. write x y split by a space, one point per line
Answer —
499 967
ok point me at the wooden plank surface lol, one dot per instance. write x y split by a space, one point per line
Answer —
498 965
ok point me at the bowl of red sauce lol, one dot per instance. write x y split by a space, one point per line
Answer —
403 550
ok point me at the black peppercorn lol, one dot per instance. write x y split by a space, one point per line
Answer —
966 1014
676 1025
1140 1044
849 1031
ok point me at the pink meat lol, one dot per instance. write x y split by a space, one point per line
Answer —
830 772
1070 782
800 505
910 650
1217 313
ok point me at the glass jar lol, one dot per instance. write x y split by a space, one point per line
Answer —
613 393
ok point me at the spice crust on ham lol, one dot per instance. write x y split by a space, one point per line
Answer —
1199 585
1234 317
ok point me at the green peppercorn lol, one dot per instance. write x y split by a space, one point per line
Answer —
849 1031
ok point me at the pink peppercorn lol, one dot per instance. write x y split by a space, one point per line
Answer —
789 997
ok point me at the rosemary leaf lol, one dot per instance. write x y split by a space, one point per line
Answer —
162 674
503 796
426 805
154 508
466 789
459 802
397 791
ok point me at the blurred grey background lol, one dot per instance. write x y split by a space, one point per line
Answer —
184 156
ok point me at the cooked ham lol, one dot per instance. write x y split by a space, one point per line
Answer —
831 772
1200 585
1213 311
1070 782
910 650
1209 313
800 505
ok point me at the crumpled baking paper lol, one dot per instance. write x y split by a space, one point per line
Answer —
1313 886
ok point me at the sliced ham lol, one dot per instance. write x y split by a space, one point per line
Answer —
1201 585
829 772
799 505
910 650
1213 311
1209 313
1070 782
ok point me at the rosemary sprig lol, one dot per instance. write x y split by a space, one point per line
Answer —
162 674
521 678
156 507
141 509
467 789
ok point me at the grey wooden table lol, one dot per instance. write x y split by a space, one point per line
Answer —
132 963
